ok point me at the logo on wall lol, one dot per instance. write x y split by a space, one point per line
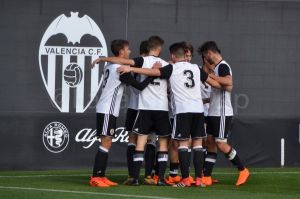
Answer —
55 137
67 49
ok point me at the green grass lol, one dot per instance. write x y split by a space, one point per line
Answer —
264 183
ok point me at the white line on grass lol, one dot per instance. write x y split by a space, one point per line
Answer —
82 192
123 174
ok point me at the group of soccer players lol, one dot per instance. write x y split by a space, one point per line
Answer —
168 105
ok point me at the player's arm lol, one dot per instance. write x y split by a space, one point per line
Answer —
164 72
224 78
128 79
216 84
115 60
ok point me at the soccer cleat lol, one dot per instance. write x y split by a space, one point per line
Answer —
133 182
207 180
173 180
98 182
199 182
108 182
243 177
183 183
192 181
149 181
126 181
161 183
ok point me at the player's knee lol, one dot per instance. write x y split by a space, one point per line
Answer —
222 145
106 142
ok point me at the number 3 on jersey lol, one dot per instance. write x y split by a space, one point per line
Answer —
106 75
190 79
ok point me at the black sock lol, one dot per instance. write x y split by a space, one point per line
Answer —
162 159
198 157
130 152
138 159
100 162
149 159
190 158
174 169
156 164
234 158
184 161
209 163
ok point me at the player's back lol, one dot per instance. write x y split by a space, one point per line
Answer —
112 91
154 96
186 88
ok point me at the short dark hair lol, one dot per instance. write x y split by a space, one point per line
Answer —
178 49
144 47
155 42
117 45
209 45
188 46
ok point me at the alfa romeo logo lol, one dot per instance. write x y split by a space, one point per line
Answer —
55 137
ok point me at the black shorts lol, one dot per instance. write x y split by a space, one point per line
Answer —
106 124
149 121
130 119
188 125
218 126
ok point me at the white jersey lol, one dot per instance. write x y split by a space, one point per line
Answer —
154 96
185 82
133 98
205 92
112 91
220 99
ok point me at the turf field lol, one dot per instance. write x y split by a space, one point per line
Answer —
263 183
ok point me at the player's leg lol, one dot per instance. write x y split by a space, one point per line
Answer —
162 127
181 129
144 124
131 117
198 134
212 127
105 132
150 159
230 152
174 163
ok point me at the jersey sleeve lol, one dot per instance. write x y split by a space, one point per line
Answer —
223 70
203 75
128 79
138 62
166 71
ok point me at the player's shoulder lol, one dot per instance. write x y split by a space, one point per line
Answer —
110 65
224 63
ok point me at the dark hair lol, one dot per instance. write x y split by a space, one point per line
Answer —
144 47
178 49
188 46
117 45
209 45
155 42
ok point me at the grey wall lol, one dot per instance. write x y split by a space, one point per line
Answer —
260 40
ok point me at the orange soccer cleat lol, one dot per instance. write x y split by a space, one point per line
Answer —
207 180
192 181
243 177
173 180
183 183
108 182
199 182
97 182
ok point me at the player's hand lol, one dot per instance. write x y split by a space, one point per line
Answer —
123 69
211 75
157 65
96 61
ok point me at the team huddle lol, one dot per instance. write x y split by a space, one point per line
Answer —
175 109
